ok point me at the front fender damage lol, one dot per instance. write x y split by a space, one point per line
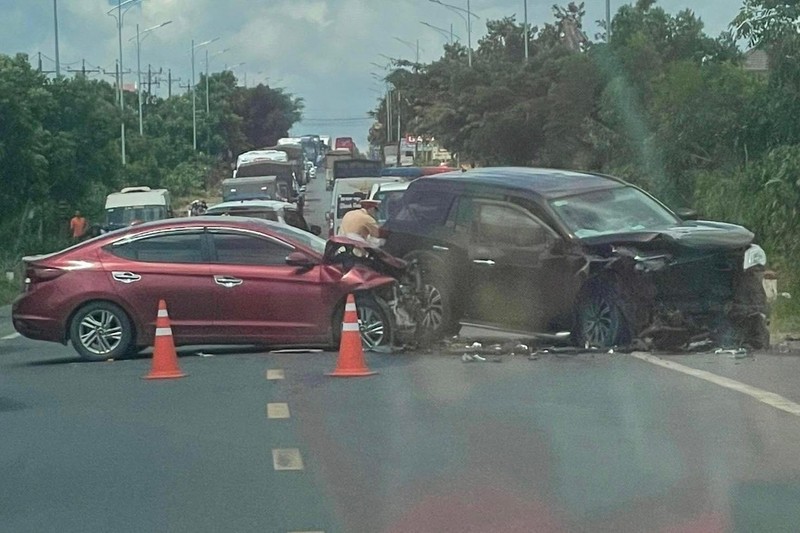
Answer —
672 301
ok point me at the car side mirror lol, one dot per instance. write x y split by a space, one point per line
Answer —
687 214
299 259
316 230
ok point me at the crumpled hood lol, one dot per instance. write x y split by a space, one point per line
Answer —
695 234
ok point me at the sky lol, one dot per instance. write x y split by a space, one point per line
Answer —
328 52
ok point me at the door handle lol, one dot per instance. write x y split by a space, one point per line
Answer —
125 277
487 262
227 281
440 248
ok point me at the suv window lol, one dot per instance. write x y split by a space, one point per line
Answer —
293 218
506 225
425 207
241 249
183 247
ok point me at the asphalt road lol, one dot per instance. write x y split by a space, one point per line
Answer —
257 441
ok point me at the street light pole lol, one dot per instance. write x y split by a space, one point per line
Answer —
442 31
414 48
208 105
139 78
128 4
55 19
139 67
469 36
467 20
194 92
526 30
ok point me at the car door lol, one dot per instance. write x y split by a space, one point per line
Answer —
259 298
510 267
169 265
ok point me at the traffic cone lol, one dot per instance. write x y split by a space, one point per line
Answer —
351 354
165 360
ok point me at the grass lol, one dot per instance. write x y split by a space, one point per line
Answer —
8 291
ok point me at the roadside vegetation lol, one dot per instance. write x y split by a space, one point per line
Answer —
660 104
60 149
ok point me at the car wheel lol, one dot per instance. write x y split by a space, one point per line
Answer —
375 326
437 306
600 322
100 331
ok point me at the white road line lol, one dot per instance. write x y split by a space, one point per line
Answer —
12 336
275 373
277 410
287 459
770 398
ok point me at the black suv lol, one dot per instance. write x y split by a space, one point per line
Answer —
552 251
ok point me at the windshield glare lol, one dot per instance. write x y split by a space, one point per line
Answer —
618 210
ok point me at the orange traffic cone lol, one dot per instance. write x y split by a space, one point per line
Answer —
165 360
351 354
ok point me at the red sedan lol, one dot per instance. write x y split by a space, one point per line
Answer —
226 280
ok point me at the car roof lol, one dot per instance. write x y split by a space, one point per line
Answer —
263 204
545 182
391 186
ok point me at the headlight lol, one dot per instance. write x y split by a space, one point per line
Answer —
754 256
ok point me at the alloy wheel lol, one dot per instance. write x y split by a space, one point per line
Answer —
433 309
100 332
598 322
371 326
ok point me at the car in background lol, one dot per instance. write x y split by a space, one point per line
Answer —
347 196
273 210
226 280
555 251
134 205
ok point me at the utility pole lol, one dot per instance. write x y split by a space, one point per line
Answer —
149 82
526 30
608 20
469 35
55 19
170 81
399 137
83 70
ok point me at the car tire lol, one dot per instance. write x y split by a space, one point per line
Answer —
599 320
438 317
101 331
375 324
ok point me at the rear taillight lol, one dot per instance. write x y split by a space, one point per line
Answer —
40 274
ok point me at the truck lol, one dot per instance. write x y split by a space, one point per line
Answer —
406 154
133 205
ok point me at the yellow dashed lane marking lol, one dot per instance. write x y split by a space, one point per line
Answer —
770 398
277 410
287 459
275 373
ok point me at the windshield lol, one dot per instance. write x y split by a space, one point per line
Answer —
390 203
124 216
618 210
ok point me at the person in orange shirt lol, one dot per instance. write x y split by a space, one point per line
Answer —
361 224
78 226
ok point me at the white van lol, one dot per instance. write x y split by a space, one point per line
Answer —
347 195
133 205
